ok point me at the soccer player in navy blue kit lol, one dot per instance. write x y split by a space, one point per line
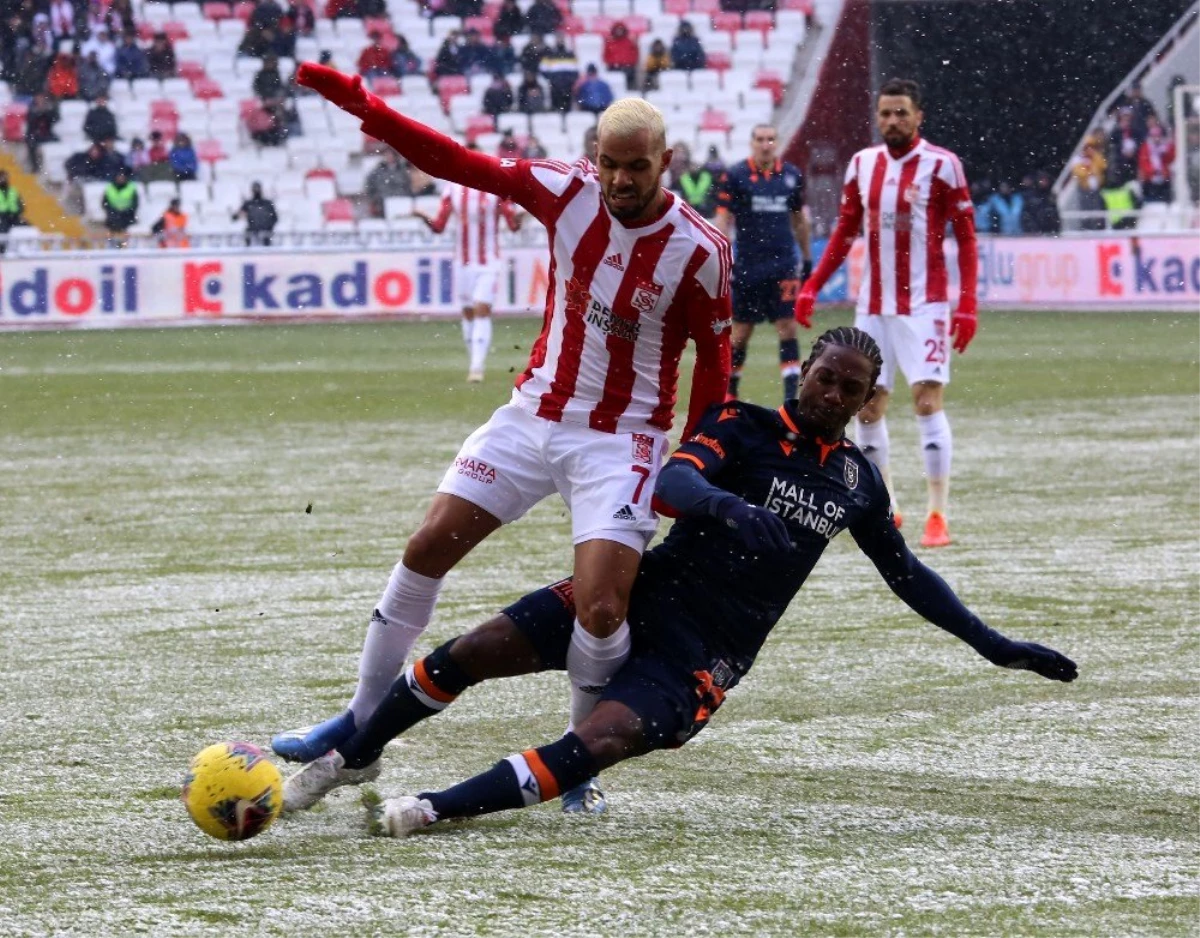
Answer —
763 199
759 494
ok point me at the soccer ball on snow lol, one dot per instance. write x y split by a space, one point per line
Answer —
232 791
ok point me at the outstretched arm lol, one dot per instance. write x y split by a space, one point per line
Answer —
849 224
928 595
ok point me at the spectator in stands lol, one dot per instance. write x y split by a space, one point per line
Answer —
504 56
265 15
184 160
342 9
261 217
447 60
131 59
120 19
1041 207
100 123
161 57
375 59
509 148
158 151
561 69
62 80
391 178
120 205
40 30
510 21
12 210
1123 145
531 94
1089 167
404 60
1155 160
621 53
62 19
269 124
531 56
1189 109
658 59
533 149
104 48
696 184
590 136
593 93
268 82
1001 213
171 227
40 119
686 51
475 55
284 43
137 159
31 71
303 19
1142 110
498 98
543 17
90 165
93 79
713 162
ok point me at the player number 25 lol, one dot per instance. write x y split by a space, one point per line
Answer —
937 351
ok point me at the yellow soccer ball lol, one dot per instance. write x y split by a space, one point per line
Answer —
232 791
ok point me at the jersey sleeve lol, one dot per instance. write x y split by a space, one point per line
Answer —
959 209
796 196
715 441
849 224
710 319
726 191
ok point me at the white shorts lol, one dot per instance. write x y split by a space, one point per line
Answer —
477 284
607 480
917 344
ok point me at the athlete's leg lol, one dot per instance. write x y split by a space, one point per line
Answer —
739 342
937 450
789 355
481 340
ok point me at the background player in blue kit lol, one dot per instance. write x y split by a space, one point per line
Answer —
759 494
763 199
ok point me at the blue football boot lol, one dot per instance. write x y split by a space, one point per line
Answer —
312 742
585 798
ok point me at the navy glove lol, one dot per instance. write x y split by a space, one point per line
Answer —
1030 656
759 529
805 270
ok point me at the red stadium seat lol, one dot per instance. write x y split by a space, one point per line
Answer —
762 20
190 69
773 82
385 85
677 7
14 122
378 24
210 151
600 24
217 10
718 61
164 108
320 172
338 210
174 30
205 89
248 106
491 10
478 124
165 124
450 85
480 23
706 6
572 25
727 22
804 6
713 119
146 30
243 10
635 23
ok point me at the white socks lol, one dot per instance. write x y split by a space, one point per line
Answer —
401 616
937 447
591 661
873 440
468 330
480 342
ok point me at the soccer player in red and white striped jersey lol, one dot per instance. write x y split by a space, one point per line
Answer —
906 191
634 273
476 261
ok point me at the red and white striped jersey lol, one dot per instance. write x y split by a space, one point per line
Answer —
478 213
621 304
906 203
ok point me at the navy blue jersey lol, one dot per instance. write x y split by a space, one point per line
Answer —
761 204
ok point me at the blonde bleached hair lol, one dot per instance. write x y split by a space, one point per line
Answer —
628 116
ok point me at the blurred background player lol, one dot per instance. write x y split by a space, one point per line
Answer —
706 599
635 272
476 261
12 210
907 190
763 199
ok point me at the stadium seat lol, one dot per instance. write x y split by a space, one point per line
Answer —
14 122
476 126
210 151
706 6
480 23
191 69
713 119
338 210
243 10
174 30
719 60
760 20
773 82
217 10
205 89
727 22
386 86
803 6
397 206
677 7
449 86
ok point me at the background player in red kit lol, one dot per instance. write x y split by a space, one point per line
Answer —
634 273
476 261
906 191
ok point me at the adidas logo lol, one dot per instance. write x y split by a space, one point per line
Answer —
614 260
625 513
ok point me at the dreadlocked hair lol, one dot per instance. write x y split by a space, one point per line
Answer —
851 338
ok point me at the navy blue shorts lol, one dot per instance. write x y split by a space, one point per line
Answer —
674 693
764 301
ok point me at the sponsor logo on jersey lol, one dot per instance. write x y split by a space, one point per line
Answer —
770 204
614 260
624 513
643 447
790 180
475 469
850 472
712 444
646 296
912 193
720 325
804 507
895 221
611 324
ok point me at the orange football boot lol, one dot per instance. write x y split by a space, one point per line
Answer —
936 533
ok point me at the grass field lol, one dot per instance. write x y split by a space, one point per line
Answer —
163 588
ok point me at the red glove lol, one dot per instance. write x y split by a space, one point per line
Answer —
803 310
963 323
346 91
